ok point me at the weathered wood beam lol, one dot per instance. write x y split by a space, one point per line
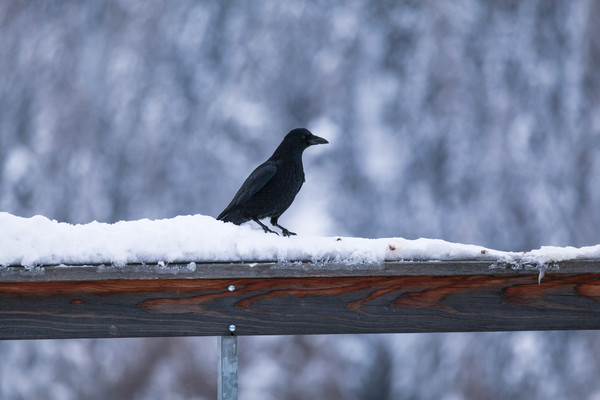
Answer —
295 298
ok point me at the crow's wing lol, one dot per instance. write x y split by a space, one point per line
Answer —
257 179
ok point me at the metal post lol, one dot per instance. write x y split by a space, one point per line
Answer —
228 368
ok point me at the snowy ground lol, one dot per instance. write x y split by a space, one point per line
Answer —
39 240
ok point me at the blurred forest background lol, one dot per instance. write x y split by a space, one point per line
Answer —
470 121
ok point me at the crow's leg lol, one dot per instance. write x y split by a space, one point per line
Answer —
265 228
283 230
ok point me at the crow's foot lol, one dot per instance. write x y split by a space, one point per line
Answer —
265 228
285 232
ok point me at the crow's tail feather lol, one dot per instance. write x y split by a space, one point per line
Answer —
233 217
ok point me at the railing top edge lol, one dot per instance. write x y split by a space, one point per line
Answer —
290 269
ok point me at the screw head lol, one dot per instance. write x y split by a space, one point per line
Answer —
231 328
231 288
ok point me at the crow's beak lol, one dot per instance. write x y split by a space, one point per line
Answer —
312 140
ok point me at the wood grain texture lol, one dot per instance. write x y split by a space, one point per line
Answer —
493 300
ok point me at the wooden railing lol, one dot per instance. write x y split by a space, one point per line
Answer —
230 299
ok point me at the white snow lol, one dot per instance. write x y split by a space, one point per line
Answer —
199 238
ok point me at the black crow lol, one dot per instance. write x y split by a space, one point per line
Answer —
272 186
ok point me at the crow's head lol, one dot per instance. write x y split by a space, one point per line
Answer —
302 138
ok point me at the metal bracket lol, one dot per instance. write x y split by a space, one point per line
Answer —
228 368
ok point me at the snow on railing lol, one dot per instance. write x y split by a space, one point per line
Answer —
40 241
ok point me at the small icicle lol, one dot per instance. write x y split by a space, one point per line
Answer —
541 275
